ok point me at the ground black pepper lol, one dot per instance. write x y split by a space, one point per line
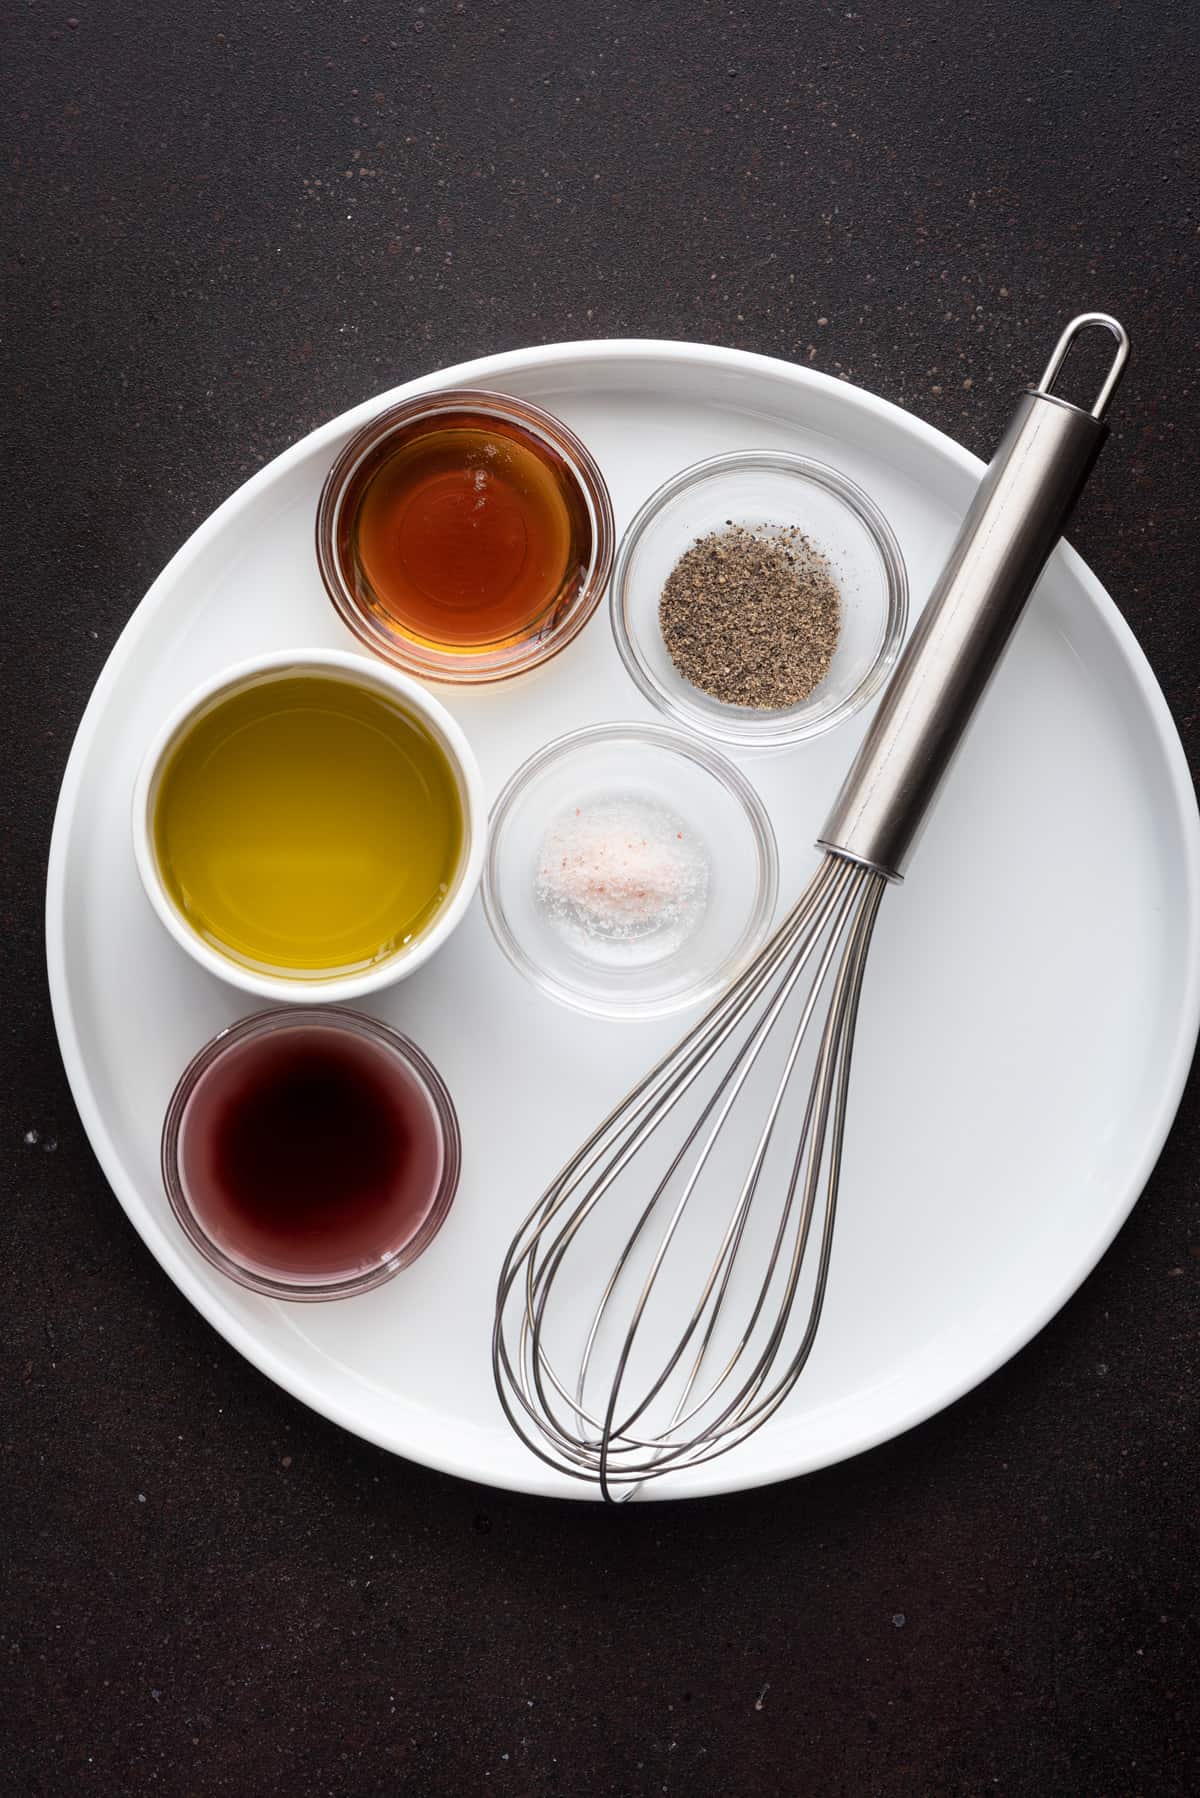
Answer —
752 616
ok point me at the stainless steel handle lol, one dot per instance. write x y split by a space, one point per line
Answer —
1015 520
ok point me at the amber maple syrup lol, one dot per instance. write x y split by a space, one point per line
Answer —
469 536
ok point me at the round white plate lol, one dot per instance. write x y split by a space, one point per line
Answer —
1031 1002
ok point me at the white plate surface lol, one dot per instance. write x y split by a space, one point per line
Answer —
1031 1002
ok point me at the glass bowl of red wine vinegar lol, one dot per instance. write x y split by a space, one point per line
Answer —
310 1152
465 535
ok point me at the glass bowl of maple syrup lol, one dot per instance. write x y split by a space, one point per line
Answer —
310 1152
465 535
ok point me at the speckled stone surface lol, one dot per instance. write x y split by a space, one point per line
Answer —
224 224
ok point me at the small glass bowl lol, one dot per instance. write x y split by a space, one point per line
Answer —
199 1090
488 664
641 762
753 488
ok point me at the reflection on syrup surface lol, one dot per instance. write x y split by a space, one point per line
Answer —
465 537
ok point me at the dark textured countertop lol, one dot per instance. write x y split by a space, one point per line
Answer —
226 223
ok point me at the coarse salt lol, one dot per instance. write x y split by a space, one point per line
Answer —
622 869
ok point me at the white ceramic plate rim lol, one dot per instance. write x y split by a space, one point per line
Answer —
442 1451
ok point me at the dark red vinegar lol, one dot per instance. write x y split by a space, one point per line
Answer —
311 1153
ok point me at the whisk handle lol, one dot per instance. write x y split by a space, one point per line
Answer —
1015 520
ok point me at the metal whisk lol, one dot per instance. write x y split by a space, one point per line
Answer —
662 1298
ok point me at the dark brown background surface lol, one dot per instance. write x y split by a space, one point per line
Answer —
225 224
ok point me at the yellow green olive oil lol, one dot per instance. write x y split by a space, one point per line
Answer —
307 825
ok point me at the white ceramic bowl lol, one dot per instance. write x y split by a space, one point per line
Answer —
307 988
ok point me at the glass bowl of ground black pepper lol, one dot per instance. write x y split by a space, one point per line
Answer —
759 598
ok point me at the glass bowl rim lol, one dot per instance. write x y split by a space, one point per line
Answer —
750 733
716 764
432 664
337 1017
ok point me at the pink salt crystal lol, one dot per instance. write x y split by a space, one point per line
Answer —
621 869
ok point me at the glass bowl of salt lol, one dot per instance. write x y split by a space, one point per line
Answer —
632 871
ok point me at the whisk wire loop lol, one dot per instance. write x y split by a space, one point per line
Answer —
720 1391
